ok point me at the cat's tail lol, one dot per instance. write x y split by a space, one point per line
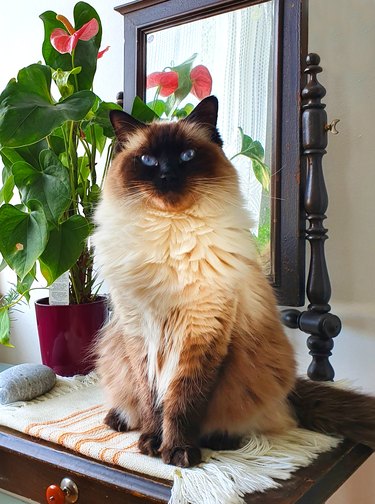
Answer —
332 410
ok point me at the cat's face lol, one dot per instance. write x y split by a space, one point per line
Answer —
168 164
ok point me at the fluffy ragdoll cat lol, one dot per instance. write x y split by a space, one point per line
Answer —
195 354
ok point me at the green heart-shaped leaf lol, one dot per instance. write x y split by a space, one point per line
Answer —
6 191
254 151
262 174
142 112
23 236
49 185
101 118
28 153
158 106
64 247
86 52
28 115
52 57
61 78
250 147
184 81
4 327
24 285
94 136
3 264
184 112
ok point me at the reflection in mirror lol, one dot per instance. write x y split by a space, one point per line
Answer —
237 49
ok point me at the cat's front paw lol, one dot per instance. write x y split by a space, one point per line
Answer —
149 443
181 456
116 421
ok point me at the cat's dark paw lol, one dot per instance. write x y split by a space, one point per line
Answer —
116 421
149 443
181 456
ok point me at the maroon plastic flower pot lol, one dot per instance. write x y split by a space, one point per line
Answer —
66 334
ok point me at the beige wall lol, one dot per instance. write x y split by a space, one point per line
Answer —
342 32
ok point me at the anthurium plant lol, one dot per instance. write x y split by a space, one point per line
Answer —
53 129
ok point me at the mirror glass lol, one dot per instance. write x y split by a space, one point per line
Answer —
237 48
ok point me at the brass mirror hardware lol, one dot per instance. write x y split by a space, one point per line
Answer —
332 127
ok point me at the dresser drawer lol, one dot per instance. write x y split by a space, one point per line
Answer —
29 467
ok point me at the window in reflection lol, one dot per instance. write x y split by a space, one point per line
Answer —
237 48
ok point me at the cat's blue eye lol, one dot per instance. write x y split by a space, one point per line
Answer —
187 155
149 160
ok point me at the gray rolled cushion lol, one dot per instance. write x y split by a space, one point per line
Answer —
25 382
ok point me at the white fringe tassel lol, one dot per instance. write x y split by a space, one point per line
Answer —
226 476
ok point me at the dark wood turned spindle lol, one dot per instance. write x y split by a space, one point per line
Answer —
316 320
120 99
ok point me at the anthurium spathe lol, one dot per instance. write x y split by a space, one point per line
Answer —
201 82
100 53
66 41
167 82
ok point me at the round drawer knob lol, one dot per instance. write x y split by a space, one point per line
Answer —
66 493
55 495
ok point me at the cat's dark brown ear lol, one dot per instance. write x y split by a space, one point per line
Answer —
205 113
124 124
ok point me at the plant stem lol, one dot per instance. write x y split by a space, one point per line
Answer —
75 76
156 97
75 289
107 162
19 298
73 165
93 154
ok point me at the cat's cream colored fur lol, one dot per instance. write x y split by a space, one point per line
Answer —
195 354
185 285
202 261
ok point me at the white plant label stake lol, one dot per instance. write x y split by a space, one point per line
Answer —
59 290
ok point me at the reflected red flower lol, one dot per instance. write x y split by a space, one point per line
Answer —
166 81
202 82
65 42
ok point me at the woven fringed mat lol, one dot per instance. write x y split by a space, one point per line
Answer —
72 414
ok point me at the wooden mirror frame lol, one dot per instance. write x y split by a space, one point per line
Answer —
142 17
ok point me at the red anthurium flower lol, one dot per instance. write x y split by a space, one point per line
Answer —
166 81
202 82
100 53
65 42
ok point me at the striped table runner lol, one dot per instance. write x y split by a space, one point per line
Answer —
72 414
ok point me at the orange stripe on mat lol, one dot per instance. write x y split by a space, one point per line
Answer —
102 439
117 455
67 419
101 454
94 430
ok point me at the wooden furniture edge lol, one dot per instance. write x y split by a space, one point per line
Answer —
315 483
48 462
